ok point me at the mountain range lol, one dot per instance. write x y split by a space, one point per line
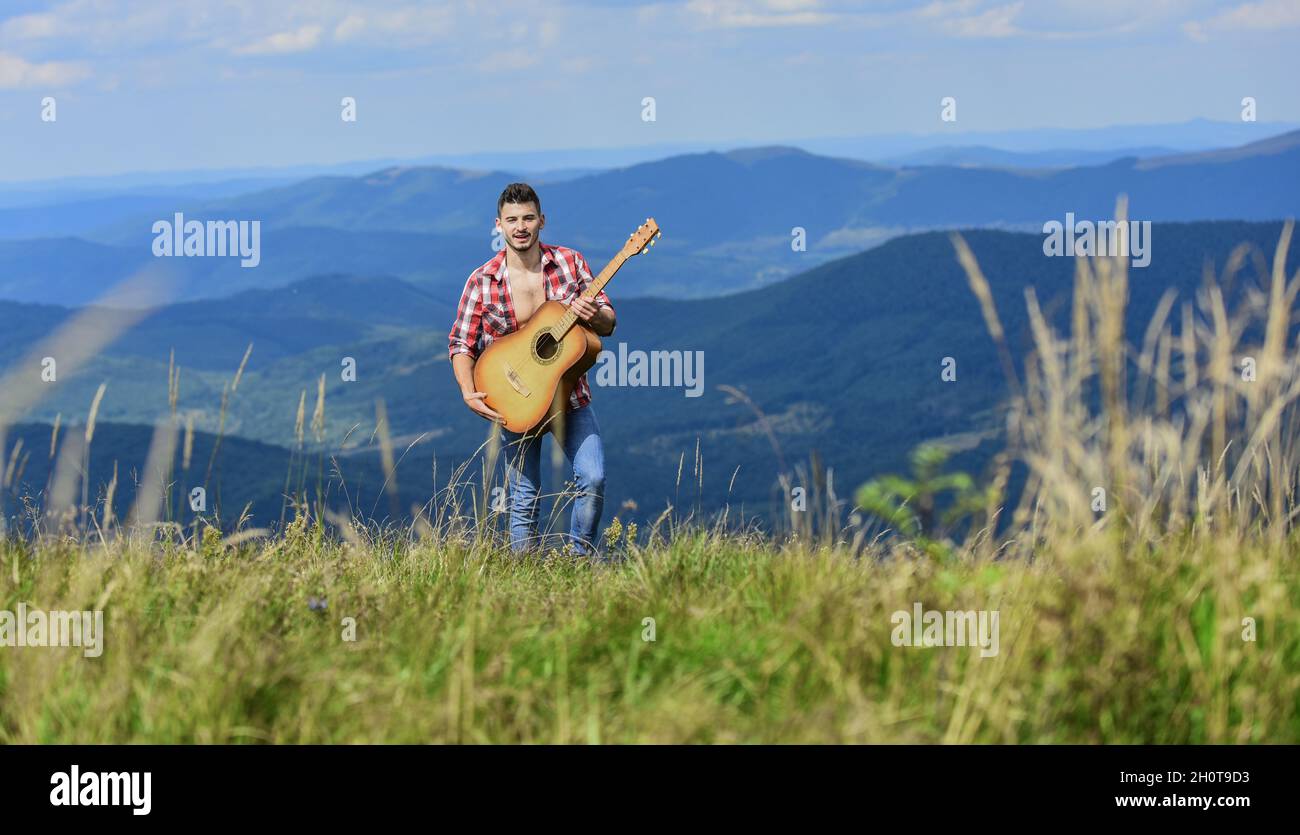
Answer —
731 220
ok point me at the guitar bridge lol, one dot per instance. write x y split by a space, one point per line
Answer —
512 377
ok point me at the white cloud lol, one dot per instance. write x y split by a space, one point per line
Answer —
578 65
1265 14
239 26
404 25
302 39
735 14
944 8
1083 17
548 32
16 73
349 27
803 58
508 60
30 27
1058 21
97 26
997 22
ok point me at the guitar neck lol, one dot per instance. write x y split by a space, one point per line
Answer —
566 321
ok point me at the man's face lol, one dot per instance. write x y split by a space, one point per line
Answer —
520 223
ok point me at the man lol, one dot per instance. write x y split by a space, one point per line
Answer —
498 297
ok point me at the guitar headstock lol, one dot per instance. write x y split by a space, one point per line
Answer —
640 241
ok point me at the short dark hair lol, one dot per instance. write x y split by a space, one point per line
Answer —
519 193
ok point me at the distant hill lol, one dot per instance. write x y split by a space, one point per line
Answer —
1191 135
79 208
982 156
1282 145
843 358
248 477
284 321
80 217
71 271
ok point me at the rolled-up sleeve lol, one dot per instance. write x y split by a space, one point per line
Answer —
468 327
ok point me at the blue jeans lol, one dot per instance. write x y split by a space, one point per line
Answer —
523 476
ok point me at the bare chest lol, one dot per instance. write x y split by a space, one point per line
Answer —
527 293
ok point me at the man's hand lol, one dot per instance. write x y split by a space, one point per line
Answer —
595 317
585 308
474 400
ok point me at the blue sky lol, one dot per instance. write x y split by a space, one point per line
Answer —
143 85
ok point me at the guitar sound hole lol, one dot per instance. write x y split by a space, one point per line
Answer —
545 347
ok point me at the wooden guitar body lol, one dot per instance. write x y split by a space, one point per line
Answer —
528 376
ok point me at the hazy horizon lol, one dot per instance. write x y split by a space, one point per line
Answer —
898 144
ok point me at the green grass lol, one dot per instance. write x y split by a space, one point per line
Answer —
753 643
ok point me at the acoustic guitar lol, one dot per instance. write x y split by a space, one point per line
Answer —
529 374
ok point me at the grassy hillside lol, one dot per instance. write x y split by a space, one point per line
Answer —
752 643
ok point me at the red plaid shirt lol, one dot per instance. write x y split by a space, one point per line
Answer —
487 311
